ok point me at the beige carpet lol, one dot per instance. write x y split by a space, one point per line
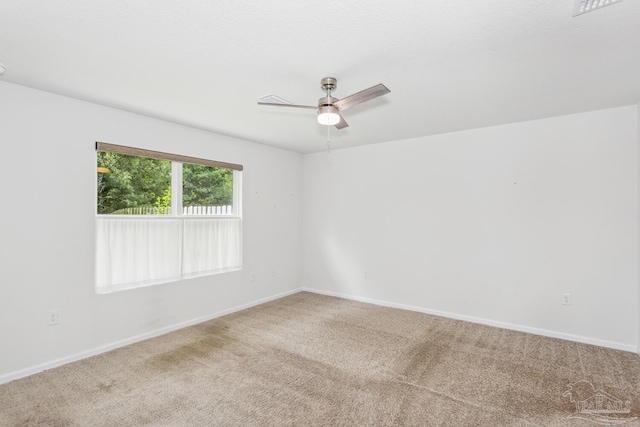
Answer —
315 360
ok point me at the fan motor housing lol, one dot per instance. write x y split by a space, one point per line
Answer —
326 101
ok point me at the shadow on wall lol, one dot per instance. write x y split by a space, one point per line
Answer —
344 269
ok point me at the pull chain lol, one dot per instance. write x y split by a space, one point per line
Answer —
328 140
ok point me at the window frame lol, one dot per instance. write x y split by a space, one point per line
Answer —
126 261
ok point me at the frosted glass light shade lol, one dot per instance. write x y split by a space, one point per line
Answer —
328 116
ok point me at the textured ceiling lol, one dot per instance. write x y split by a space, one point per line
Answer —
450 65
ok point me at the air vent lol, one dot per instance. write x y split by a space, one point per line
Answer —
274 99
584 6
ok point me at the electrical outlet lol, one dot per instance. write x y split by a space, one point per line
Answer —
365 275
53 317
566 299
252 277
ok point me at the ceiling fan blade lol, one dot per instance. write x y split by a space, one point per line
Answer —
275 104
362 96
342 124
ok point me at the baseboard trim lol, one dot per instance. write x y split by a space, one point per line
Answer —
505 325
132 340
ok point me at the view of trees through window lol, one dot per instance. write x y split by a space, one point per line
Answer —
132 185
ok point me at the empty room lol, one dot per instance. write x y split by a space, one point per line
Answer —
295 213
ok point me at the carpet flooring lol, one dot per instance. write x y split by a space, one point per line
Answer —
314 360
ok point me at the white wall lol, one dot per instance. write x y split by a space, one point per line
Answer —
47 230
491 225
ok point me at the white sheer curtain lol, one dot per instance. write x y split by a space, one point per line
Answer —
211 246
134 252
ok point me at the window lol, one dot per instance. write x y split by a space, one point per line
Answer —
163 217
132 185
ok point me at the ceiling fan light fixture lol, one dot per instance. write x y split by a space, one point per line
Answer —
329 108
328 115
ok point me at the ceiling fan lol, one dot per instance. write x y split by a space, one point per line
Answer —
329 108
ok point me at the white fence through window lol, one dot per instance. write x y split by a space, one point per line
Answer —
186 210
207 210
